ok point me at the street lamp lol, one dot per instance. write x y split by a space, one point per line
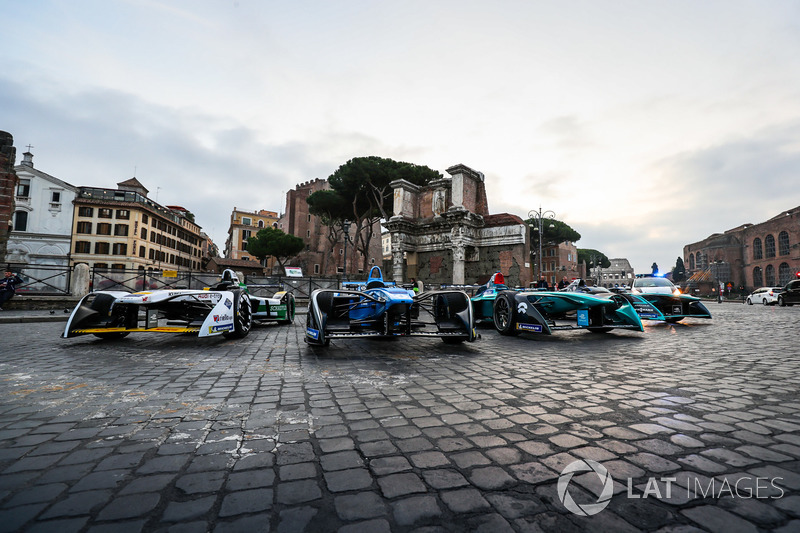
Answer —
346 230
538 216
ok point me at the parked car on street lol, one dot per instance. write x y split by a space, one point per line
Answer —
764 296
790 294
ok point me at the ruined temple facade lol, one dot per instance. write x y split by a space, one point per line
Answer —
443 233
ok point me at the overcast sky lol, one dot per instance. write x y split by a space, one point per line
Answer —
643 125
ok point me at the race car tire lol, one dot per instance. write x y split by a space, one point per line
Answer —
290 309
111 335
781 301
504 315
242 315
310 324
749 301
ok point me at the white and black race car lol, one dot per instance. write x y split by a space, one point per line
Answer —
224 309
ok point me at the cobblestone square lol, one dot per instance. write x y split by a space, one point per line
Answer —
698 425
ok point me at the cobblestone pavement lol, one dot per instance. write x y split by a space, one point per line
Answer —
172 433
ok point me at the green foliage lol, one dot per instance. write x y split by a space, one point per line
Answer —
560 232
272 242
679 272
330 206
593 258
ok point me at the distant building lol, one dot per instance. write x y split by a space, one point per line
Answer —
386 245
245 224
443 233
42 223
123 229
618 274
325 250
749 256
560 261
208 250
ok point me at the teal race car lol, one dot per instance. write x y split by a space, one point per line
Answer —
543 312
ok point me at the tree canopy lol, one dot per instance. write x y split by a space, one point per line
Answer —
360 192
272 242
593 258
679 272
560 232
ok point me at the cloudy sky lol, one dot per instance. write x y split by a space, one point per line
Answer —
643 125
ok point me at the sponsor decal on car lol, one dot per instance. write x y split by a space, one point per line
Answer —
313 333
217 329
648 315
536 328
583 317
676 309
222 318
279 307
228 303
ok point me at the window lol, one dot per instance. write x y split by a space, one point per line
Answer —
783 243
308 233
309 218
118 266
144 218
101 248
784 274
104 228
247 221
769 246
104 212
769 274
691 261
121 230
55 197
758 251
123 214
100 266
84 227
21 221
86 211
83 247
24 188
316 269
120 248
699 260
758 278
144 233
260 223
142 251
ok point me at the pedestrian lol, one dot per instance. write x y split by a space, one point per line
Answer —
563 283
8 287
542 284
414 286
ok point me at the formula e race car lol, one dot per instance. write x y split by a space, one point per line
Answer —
380 309
115 314
544 312
485 295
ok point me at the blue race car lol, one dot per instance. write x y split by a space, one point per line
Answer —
380 309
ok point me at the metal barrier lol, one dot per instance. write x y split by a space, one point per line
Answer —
105 279
300 287
44 280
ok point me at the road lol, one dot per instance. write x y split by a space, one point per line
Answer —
171 433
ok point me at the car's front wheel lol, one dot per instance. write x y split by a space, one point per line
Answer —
781 301
242 315
749 301
504 315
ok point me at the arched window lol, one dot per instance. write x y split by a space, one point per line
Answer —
769 246
260 223
783 243
21 221
699 260
769 274
757 250
784 274
758 278
691 261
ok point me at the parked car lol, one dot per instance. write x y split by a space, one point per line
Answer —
764 295
790 294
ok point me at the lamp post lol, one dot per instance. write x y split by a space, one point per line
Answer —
346 230
538 216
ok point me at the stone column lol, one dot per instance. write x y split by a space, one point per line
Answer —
8 185
458 263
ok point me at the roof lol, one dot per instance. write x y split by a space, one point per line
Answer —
501 219
133 182
701 276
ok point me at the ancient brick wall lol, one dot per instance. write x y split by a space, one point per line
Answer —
8 185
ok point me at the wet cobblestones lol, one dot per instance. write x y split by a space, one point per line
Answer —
171 433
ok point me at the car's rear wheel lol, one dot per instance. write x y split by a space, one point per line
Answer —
242 316
505 315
